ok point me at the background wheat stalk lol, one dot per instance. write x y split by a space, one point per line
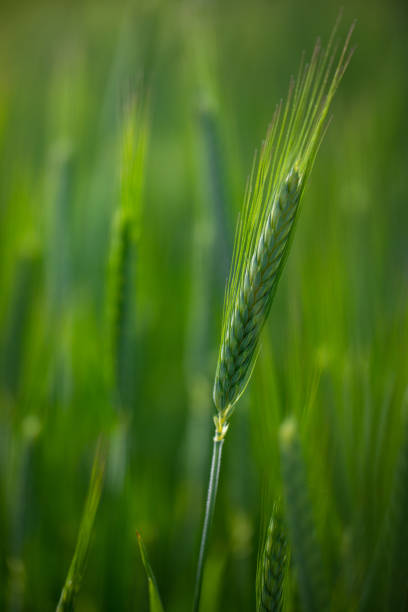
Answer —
265 227
125 231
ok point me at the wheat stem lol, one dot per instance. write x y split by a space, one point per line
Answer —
209 513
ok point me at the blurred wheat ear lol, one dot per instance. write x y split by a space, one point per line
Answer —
307 555
124 239
125 232
272 565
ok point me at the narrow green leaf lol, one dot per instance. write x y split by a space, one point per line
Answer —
154 596
78 564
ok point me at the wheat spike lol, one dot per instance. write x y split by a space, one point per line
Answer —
273 195
272 568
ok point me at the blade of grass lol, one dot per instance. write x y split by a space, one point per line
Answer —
154 596
78 564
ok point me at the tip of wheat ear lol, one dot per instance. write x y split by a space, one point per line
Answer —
273 194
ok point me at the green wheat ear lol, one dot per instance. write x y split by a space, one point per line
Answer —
273 195
272 566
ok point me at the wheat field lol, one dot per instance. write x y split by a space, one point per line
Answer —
127 139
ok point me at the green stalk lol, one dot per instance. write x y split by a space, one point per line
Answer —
209 513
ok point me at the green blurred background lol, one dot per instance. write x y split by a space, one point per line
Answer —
334 352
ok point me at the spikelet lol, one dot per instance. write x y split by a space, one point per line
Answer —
272 567
273 194
299 517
